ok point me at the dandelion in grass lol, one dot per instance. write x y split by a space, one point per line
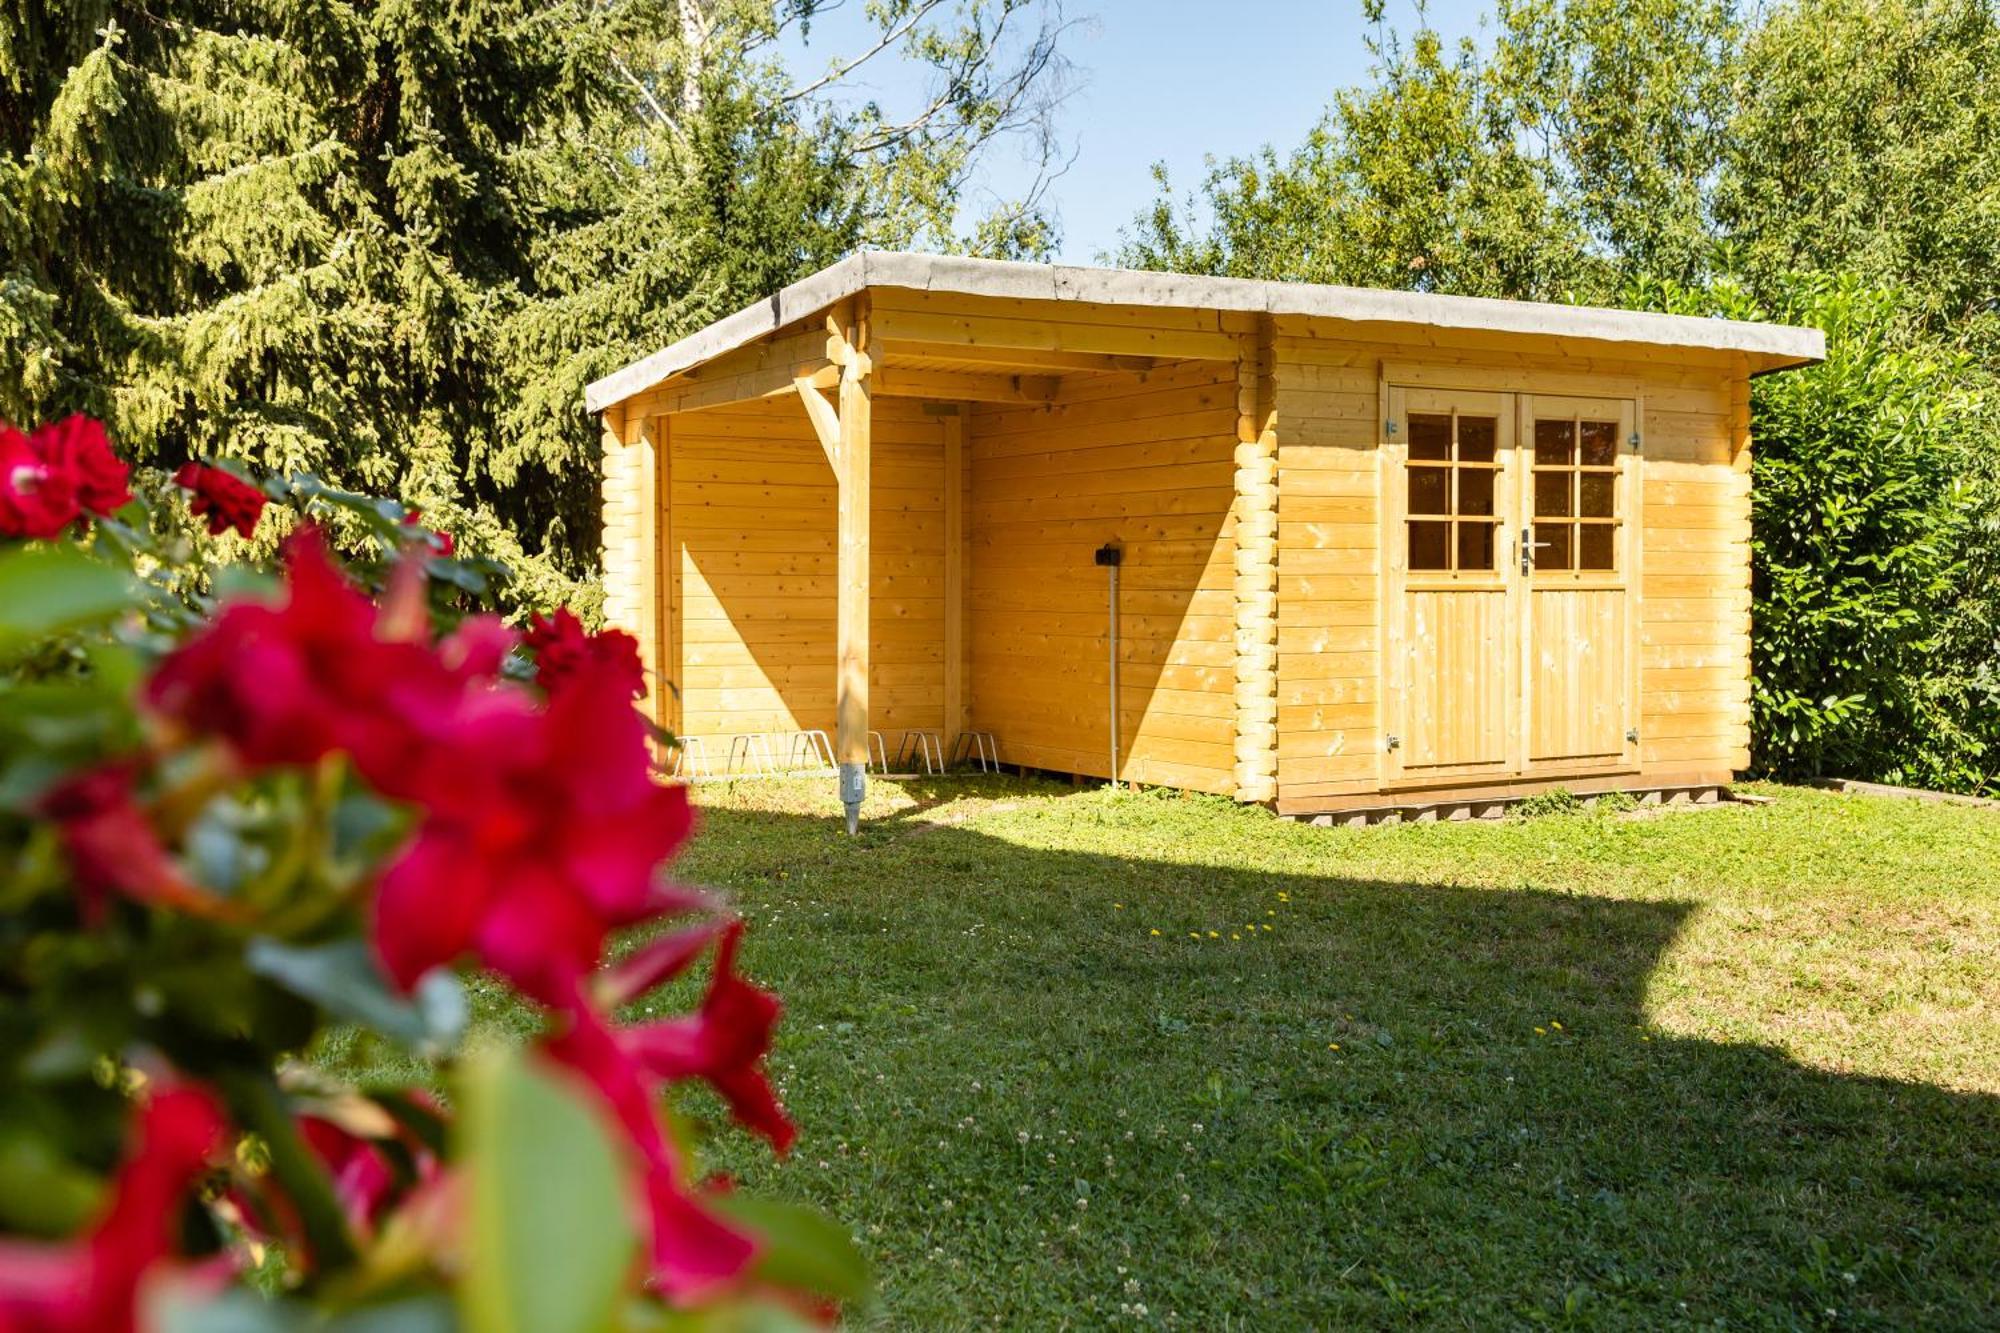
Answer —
1541 1032
1154 932
1557 1026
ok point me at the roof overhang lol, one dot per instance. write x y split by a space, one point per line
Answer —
1767 347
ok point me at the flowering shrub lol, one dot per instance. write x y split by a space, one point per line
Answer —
229 823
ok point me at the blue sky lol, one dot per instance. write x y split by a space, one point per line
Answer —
1166 80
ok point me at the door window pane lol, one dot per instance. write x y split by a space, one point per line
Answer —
1451 474
1430 490
1596 548
1475 546
1430 545
1475 490
1597 490
1552 494
1576 477
1556 551
1430 436
1477 438
1555 443
1600 443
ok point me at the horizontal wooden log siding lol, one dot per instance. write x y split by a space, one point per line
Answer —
1694 626
1147 462
755 592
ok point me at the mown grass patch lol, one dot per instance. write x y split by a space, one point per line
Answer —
1736 1065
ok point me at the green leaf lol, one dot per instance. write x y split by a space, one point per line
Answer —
549 1231
343 977
40 1193
803 1248
47 590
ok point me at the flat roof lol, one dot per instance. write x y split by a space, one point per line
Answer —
1779 345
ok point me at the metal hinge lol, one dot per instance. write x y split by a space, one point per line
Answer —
1392 741
1635 441
1389 427
1632 735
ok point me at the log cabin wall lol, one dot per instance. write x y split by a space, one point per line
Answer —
1144 461
1692 560
751 534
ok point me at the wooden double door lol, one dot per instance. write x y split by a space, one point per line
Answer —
1511 546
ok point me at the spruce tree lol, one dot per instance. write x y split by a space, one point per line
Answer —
389 242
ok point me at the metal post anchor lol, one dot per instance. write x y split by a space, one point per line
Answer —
853 786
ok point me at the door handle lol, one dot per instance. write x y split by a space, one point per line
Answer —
1528 548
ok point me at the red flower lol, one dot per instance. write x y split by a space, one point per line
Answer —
441 542
289 684
693 1250
227 501
364 1182
724 1044
48 479
77 449
112 846
92 1286
562 649
545 831
36 501
542 828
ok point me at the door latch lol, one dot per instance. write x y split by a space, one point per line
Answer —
1528 548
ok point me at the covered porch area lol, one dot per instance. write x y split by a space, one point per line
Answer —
868 533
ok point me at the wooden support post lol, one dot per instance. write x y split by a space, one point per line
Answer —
1256 569
666 660
637 556
631 514
954 577
851 615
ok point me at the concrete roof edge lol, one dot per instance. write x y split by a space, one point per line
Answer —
1779 344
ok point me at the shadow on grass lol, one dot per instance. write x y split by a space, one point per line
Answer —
1416 1103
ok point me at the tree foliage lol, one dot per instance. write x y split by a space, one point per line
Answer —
390 242
1831 162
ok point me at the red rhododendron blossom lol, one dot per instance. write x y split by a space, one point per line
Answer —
36 501
77 450
562 649
92 1285
224 499
693 1251
291 683
112 847
441 542
654 963
364 1183
724 1044
49 479
545 831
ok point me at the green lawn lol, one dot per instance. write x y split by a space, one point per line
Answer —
1737 1066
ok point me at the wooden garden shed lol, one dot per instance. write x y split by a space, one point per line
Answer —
1372 549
